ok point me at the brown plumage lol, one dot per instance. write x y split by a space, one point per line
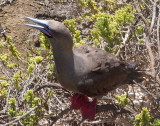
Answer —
85 70
103 72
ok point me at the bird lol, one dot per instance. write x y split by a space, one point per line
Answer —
87 71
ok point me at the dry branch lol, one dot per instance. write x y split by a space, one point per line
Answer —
60 115
100 108
20 117
147 40
49 85
158 43
153 17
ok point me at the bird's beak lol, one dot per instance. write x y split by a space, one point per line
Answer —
42 25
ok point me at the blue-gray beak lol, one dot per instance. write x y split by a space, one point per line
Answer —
42 25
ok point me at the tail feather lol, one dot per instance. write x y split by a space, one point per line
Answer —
135 75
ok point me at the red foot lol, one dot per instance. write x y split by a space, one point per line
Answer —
87 108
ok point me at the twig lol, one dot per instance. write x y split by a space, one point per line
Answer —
158 36
49 85
158 43
6 73
6 2
2 31
101 122
20 117
144 88
112 107
57 99
151 56
153 17
60 115
148 44
79 124
7 99
99 108
154 118
25 84
125 39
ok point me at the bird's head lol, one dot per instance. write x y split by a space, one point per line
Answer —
56 31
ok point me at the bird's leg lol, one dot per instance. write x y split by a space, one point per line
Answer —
87 108
78 100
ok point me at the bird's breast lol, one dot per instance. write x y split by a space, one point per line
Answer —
68 81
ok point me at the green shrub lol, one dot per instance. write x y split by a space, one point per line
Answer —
143 118
122 100
12 110
156 122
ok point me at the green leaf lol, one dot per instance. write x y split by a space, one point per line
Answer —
122 100
38 59
143 118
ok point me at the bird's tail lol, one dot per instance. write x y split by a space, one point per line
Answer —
134 74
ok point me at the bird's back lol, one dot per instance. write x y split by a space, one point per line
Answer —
101 72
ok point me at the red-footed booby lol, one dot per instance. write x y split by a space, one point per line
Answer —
87 71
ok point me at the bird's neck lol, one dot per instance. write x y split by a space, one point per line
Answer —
65 68
63 56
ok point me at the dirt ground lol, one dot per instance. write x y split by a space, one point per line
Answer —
12 18
12 13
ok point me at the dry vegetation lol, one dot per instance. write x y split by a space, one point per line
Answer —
29 91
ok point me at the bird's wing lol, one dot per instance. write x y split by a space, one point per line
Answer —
104 72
